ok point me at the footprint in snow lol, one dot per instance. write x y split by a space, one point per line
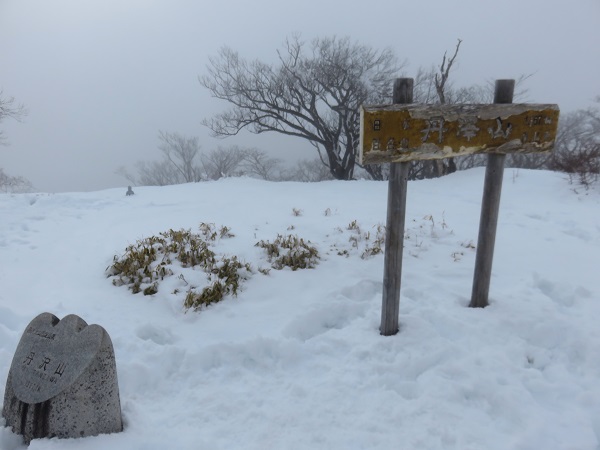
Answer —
317 322
158 335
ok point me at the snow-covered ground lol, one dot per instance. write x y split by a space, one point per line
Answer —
296 361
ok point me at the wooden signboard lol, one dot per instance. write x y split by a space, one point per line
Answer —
405 132
402 133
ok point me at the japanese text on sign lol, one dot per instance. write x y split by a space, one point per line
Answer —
396 133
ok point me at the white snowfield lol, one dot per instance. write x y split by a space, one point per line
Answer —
296 361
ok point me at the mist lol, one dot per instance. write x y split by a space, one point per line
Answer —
100 79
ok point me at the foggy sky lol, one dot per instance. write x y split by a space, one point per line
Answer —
100 78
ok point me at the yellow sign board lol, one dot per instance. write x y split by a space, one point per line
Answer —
400 133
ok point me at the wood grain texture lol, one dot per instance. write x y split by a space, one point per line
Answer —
394 237
490 208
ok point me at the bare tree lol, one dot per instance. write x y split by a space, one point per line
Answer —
434 87
181 152
179 163
9 109
14 184
441 78
123 172
313 92
151 173
308 171
378 171
258 164
577 149
157 173
222 162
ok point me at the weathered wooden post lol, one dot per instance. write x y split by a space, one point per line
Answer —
490 207
394 232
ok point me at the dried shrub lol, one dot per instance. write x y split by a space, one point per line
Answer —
377 244
290 251
581 164
226 277
577 151
372 243
148 261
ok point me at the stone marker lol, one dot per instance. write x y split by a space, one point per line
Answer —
63 381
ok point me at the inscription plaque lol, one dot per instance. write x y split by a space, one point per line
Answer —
62 381
402 133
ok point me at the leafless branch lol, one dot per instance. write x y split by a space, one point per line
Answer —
313 92
442 77
10 109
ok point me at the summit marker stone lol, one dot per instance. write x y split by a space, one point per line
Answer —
62 381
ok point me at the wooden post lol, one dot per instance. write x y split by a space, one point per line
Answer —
490 207
394 236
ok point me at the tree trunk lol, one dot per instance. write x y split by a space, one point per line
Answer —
341 169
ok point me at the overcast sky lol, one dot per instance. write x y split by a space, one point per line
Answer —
100 78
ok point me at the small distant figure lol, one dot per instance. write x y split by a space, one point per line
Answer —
129 191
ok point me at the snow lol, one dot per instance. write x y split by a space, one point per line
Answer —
296 361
